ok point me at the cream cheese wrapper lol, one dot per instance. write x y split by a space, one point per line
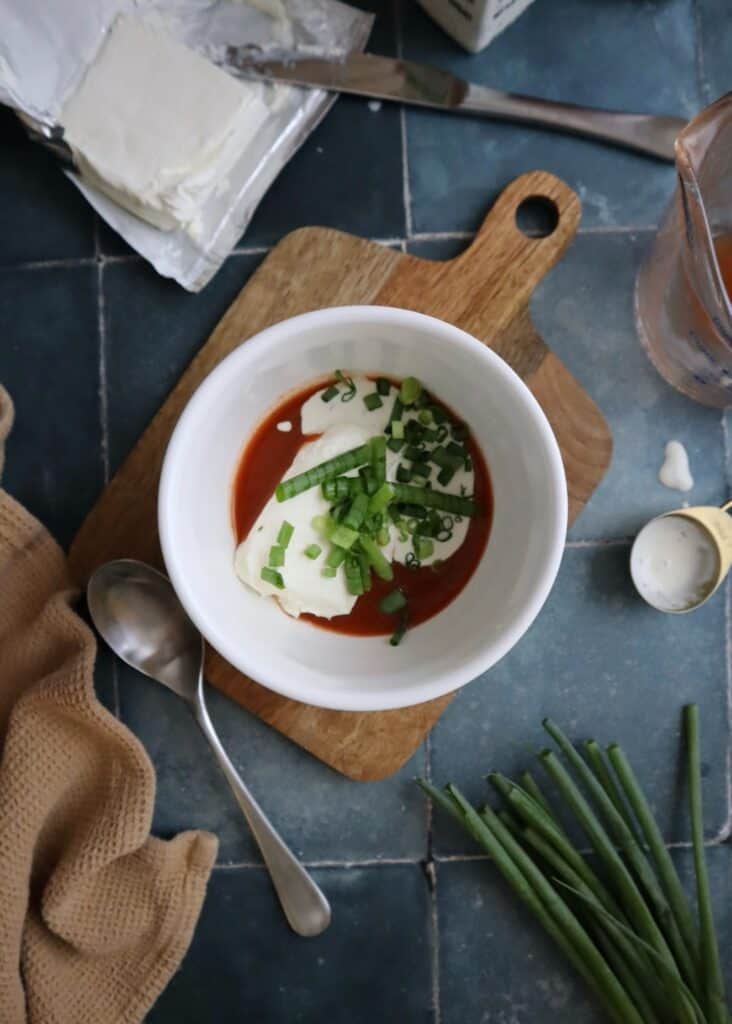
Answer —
200 203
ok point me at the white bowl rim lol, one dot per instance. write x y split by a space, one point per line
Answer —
415 693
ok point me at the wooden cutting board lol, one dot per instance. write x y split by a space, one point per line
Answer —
485 291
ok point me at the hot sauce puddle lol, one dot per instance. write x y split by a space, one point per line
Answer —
428 590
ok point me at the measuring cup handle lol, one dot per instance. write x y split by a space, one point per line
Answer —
727 505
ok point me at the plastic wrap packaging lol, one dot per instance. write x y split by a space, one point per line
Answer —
45 51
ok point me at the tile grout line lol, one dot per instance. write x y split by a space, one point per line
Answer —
727 827
406 189
608 542
701 78
103 405
431 874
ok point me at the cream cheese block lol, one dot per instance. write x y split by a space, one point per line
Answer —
157 127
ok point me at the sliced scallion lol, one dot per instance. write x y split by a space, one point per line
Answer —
312 551
383 386
445 476
403 474
446 460
357 512
372 401
421 469
381 499
350 391
381 565
336 556
392 602
395 444
382 537
397 430
343 536
430 498
272 577
396 413
415 454
354 581
328 571
425 417
410 390
423 548
398 634
276 556
285 535
329 394
328 470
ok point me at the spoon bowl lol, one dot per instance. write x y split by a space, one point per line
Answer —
137 612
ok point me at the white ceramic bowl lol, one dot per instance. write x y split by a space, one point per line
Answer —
313 665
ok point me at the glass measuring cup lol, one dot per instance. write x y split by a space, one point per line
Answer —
683 307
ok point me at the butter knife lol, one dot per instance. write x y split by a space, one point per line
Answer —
423 85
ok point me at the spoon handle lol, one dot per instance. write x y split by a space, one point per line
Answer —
306 908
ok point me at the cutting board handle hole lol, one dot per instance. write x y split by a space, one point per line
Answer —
537 217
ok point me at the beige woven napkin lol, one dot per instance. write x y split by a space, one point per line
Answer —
95 915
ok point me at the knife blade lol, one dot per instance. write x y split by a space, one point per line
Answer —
406 81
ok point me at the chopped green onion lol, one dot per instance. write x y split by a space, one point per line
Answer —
370 484
458 450
445 476
423 548
350 391
403 474
446 460
273 577
329 394
392 602
415 454
372 401
442 433
327 470
340 488
425 417
410 390
343 536
328 571
378 458
354 580
421 469
395 444
398 634
356 513
382 567
396 413
312 551
365 571
276 556
411 561
397 430
382 537
322 525
459 431
383 386
285 535
438 415
431 498
468 465
336 556
380 499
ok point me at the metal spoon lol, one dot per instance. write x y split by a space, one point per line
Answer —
136 610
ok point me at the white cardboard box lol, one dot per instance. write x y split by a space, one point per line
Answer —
474 22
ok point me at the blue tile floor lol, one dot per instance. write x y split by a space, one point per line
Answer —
91 341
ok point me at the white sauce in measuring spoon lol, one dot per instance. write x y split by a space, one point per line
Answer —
673 563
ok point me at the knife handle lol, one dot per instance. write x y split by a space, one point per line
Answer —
651 134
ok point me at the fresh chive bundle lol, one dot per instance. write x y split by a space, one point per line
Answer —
623 920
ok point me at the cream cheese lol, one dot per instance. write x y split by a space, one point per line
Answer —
306 589
157 127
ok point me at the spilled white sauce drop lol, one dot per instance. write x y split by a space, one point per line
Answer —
284 426
675 472
374 106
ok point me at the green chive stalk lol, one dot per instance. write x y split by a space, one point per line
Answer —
634 956
713 982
